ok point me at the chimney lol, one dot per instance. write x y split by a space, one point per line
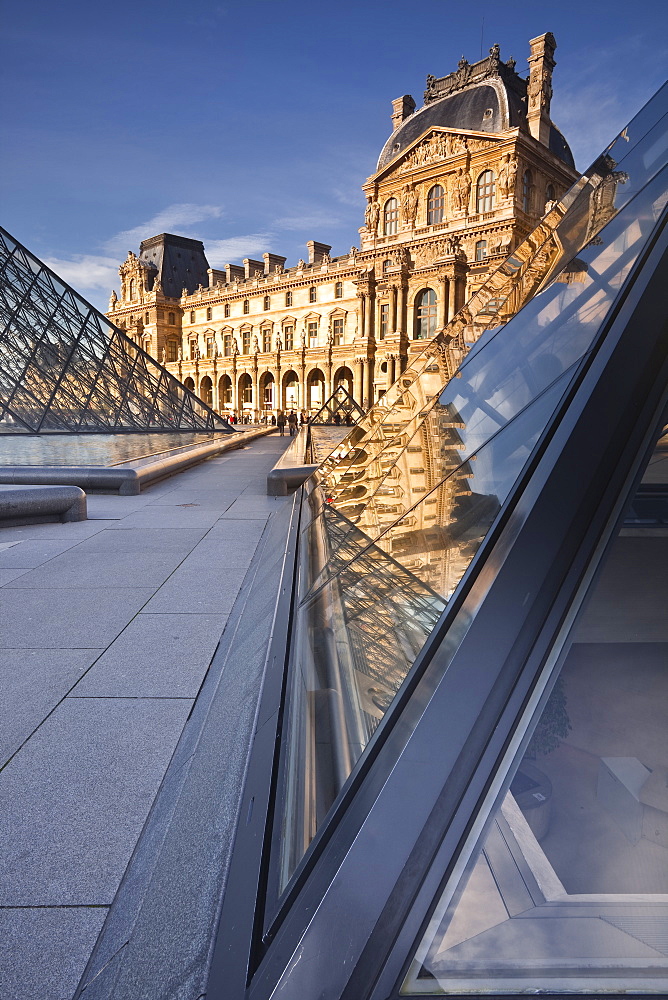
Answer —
539 90
402 107
271 260
316 251
234 272
253 268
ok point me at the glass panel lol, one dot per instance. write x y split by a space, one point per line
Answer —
396 514
568 892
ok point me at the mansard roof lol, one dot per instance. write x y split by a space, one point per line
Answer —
487 96
181 262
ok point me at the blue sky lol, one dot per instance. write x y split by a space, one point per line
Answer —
252 124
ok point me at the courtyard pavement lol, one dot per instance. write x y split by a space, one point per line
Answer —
107 629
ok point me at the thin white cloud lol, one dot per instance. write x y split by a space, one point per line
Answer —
85 272
309 220
177 218
222 252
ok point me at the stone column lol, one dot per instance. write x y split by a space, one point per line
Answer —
235 389
302 396
328 379
389 378
393 309
359 380
370 365
363 314
442 302
256 391
452 298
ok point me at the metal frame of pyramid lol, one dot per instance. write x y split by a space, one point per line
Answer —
345 404
65 368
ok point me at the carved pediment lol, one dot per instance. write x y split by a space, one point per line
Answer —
439 146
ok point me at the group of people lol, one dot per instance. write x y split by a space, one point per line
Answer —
291 419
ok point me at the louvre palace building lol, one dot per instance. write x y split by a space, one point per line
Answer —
458 185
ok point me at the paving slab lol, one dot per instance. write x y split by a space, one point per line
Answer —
74 799
171 517
67 619
156 656
48 946
192 590
28 553
72 529
7 575
33 682
144 540
107 568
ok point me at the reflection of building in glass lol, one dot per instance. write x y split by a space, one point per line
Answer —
444 207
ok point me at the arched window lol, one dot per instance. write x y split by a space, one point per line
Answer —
338 290
246 307
313 294
209 314
170 319
425 314
550 197
435 205
227 310
485 194
288 298
391 217
527 191
267 302
192 315
133 286
481 250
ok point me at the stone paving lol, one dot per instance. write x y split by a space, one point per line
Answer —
107 629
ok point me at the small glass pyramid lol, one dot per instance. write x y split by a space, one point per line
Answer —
64 367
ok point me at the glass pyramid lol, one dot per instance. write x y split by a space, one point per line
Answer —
340 408
64 367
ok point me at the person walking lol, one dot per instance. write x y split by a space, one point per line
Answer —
280 422
292 423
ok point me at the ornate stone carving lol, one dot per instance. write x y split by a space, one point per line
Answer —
113 299
409 203
507 176
372 215
461 191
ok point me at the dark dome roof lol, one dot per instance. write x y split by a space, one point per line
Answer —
485 107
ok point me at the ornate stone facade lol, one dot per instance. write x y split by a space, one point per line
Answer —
459 184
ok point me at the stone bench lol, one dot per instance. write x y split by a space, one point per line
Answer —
33 504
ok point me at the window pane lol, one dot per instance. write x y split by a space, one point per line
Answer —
565 892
